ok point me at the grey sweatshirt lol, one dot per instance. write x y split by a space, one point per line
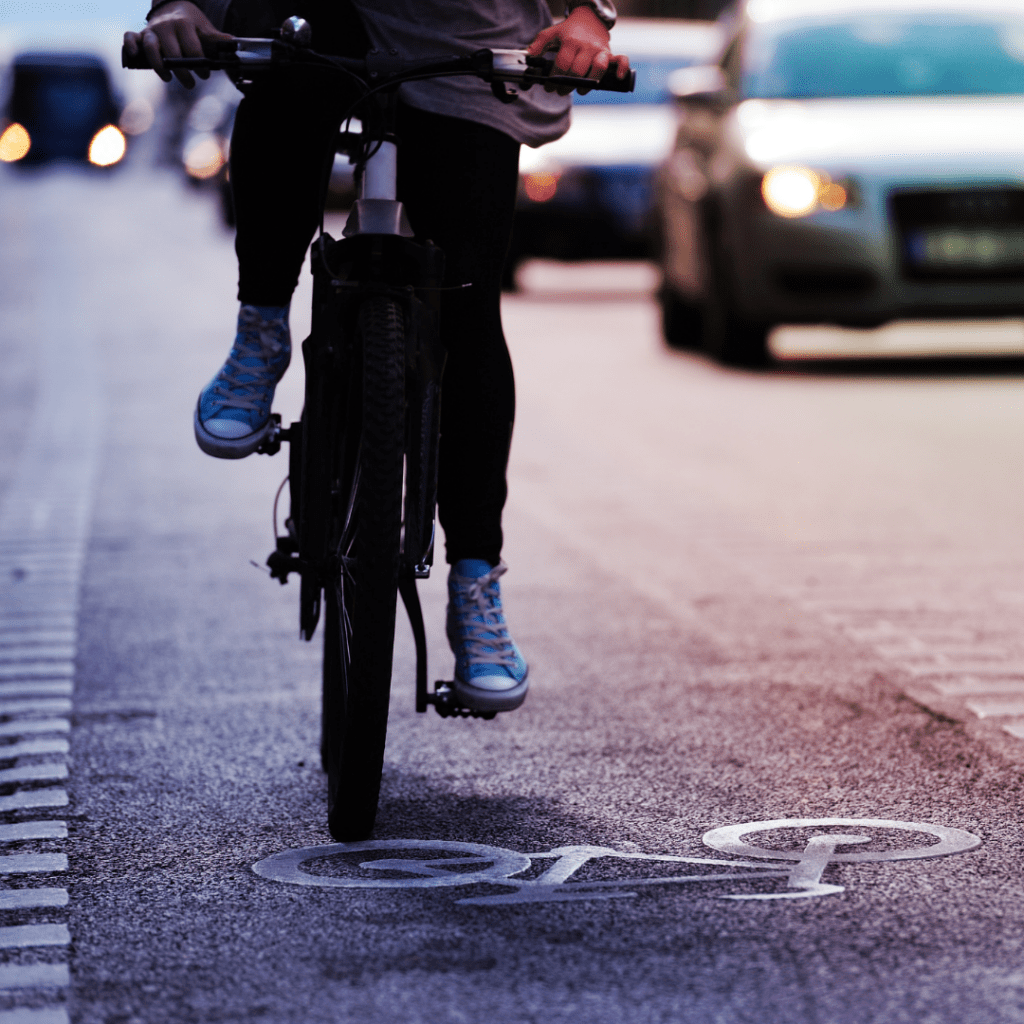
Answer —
431 28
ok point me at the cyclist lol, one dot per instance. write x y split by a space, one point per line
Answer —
457 175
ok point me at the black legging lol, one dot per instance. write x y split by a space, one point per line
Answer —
458 182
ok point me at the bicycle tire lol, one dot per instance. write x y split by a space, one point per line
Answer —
361 596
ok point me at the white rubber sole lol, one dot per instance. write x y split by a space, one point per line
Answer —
229 448
490 700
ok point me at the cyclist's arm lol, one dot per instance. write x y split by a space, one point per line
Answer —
583 45
176 29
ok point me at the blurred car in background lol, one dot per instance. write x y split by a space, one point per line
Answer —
61 106
847 162
201 121
589 194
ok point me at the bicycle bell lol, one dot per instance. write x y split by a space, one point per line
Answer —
297 30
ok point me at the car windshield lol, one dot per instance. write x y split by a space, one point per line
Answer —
651 82
885 54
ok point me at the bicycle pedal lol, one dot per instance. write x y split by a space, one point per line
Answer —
272 442
447 705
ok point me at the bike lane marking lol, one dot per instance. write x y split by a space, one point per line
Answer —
474 863
44 527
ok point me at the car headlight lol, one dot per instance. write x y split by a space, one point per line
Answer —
799 191
540 186
204 157
107 147
15 143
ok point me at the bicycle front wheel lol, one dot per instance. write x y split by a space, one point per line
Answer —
361 597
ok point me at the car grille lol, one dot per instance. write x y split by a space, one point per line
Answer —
821 282
968 234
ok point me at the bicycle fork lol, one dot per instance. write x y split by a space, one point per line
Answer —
377 253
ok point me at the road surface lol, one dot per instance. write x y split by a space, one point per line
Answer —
790 599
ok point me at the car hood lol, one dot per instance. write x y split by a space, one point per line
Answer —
951 133
602 136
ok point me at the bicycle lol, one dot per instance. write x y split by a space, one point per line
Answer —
363 456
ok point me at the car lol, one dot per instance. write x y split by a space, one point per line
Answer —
848 162
61 107
589 194
199 127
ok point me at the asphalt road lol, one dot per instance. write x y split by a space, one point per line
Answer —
744 597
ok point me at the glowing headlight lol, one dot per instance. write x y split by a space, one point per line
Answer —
107 147
540 187
204 157
14 143
798 191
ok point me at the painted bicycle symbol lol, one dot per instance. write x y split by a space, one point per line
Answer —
794 871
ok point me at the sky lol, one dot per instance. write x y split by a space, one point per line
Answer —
94 26
127 13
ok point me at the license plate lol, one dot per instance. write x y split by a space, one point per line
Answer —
966 248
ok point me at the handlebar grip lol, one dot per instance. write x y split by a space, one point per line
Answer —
137 62
612 83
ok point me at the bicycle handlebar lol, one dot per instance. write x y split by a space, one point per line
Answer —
514 67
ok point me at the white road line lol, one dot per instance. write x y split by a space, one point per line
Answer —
26 637
36 625
33 726
49 829
51 745
33 798
25 936
47 602
38 688
35 1015
985 668
35 707
34 772
972 685
915 649
44 527
915 638
38 670
23 652
996 707
32 899
34 976
33 863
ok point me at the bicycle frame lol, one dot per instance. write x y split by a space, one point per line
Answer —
376 253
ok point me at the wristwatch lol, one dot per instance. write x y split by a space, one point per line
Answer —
604 9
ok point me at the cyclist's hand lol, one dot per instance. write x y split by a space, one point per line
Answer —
176 30
583 48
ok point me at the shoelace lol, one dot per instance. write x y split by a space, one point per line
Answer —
260 339
487 641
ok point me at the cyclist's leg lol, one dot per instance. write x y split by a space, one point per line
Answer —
282 140
458 179
283 135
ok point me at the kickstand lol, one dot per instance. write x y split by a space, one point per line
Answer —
411 600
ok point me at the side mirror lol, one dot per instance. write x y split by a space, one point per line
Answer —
704 86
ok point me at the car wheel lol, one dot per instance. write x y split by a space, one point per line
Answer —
226 200
680 321
729 338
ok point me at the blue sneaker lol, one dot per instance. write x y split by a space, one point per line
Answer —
233 413
490 673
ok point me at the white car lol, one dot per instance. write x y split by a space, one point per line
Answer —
847 162
589 194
